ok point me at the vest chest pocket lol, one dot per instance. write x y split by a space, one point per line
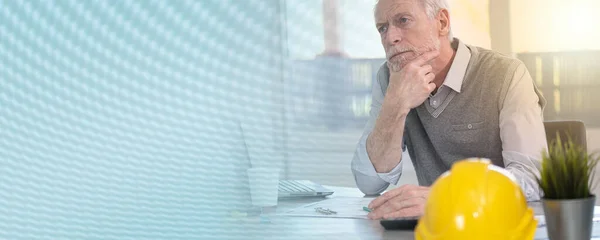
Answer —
467 126
469 132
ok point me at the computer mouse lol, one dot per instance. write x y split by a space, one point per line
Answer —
407 223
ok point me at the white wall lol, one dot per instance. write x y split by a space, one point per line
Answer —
470 22
554 25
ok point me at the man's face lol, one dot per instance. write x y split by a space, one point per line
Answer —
406 31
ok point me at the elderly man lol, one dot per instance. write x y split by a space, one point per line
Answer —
439 100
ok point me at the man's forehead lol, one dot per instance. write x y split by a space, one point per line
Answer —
387 8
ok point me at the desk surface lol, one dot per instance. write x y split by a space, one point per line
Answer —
285 227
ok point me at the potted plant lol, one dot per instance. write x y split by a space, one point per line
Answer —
565 180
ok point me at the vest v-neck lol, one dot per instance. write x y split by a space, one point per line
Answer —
436 111
452 85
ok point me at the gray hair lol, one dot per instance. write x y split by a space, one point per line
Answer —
432 8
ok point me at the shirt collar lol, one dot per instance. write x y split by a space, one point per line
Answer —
458 69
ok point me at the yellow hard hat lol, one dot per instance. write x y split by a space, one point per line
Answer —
476 200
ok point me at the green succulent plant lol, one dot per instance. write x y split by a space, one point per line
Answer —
567 171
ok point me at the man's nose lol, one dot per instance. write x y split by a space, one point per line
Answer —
393 35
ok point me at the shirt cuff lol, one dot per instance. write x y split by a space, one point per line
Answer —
525 169
394 175
365 166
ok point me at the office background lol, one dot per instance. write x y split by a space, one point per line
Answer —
137 119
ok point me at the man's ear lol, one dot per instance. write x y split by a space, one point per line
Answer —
443 22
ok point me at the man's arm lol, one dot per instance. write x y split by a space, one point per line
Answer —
378 156
367 178
522 131
385 143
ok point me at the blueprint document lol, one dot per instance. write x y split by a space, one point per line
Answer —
352 207
338 207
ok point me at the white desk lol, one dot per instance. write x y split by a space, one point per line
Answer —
284 227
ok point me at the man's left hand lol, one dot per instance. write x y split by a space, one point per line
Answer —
405 201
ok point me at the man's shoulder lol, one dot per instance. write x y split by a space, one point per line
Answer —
383 70
487 57
383 76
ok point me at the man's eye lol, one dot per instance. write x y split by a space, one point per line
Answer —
382 29
403 20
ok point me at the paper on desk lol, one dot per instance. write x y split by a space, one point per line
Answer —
345 207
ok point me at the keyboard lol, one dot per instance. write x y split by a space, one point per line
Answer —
302 188
294 186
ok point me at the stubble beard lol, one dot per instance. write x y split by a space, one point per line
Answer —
398 62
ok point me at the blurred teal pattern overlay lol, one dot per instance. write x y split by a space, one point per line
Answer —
120 119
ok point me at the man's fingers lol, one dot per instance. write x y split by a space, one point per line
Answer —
431 86
408 195
426 70
413 211
396 204
378 213
377 202
386 196
397 192
390 206
396 199
410 198
426 57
